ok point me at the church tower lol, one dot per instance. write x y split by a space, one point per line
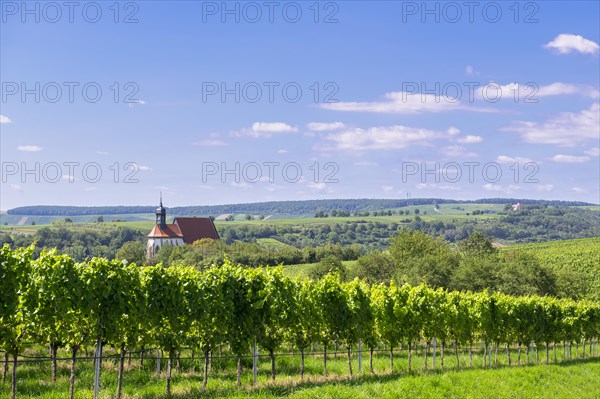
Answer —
162 233
161 214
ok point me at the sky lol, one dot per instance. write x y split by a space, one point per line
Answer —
112 103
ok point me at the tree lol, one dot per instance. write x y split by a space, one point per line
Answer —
477 244
163 255
421 258
522 274
476 274
375 267
132 252
328 264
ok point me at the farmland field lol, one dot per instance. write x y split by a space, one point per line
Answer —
567 379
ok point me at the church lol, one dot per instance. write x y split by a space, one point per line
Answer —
182 231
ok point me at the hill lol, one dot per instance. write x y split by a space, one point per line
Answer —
581 256
297 208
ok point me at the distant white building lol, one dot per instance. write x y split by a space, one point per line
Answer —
182 231
517 206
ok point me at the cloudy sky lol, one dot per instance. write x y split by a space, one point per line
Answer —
213 102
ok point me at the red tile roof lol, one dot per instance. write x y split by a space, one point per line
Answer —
194 229
166 231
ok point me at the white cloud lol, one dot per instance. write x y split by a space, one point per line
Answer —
530 92
566 43
210 143
317 186
470 71
89 189
17 187
266 129
323 127
507 159
435 186
570 158
282 151
387 189
29 148
272 127
470 139
365 163
69 178
138 102
511 188
244 185
566 129
544 187
144 168
102 152
4 119
381 138
458 151
580 190
593 152
453 131
273 187
558 88
403 103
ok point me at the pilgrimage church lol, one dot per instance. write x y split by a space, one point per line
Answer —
182 231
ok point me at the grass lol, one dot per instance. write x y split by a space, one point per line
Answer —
272 243
565 379
302 270
143 222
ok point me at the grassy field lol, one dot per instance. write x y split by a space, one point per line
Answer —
565 379
302 270
446 212
271 243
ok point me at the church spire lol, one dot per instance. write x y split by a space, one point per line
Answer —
161 214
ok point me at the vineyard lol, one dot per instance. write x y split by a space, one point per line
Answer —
579 255
231 312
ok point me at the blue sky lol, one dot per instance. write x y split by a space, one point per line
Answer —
213 102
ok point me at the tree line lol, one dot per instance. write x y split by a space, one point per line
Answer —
532 223
412 257
53 300
305 207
